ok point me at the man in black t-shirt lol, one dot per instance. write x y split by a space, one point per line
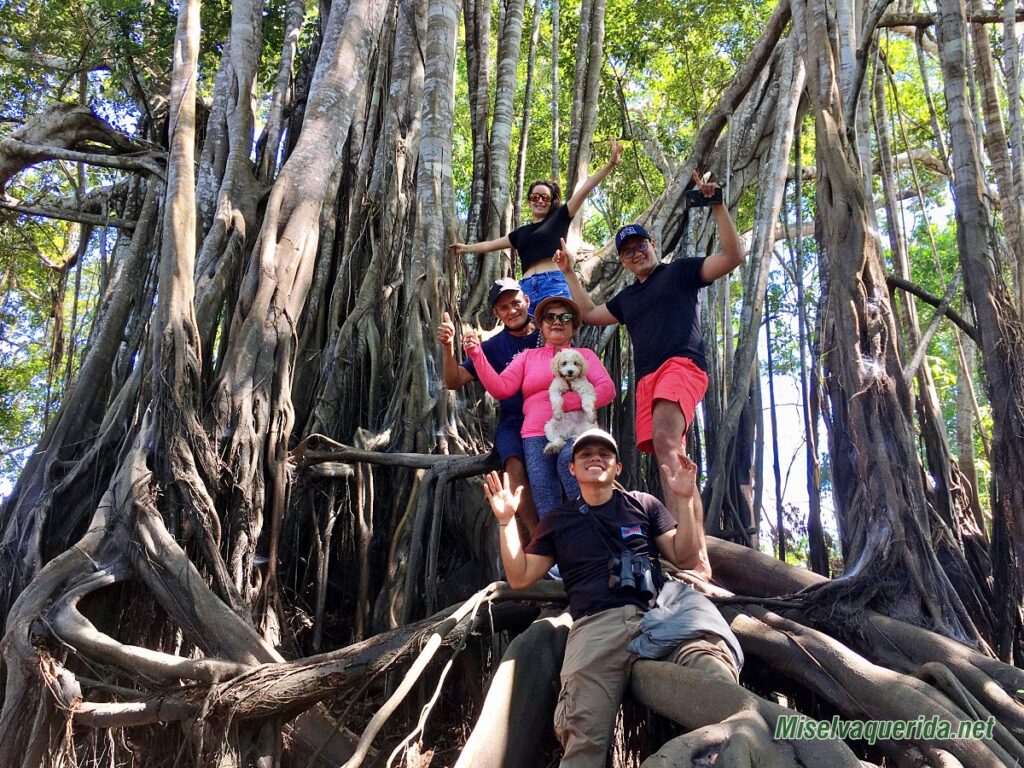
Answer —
582 537
661 311
512 307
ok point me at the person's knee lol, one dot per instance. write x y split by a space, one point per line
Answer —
719 670
709 656
516 470
527 513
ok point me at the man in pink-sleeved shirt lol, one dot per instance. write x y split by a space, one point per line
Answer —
530 373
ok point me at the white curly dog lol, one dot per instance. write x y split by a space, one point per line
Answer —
570 370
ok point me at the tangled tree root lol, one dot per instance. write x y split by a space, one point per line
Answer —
520 701
733 723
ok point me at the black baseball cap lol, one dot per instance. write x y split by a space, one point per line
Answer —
628 231
501 285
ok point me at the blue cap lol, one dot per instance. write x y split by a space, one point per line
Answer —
501 285
628 231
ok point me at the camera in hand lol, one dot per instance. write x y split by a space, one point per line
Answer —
632 573
696 199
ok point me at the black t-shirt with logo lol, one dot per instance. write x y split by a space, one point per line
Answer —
538 241
634 518
662 315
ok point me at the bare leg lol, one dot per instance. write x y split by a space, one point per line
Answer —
669 437
527 514
668 432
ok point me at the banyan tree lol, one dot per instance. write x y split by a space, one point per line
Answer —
248 530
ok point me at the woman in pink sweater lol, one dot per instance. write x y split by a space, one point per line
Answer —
530 372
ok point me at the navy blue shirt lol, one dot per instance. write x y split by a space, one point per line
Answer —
538 241
634 518
662 315
499 351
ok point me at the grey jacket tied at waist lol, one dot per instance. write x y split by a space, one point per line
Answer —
681 613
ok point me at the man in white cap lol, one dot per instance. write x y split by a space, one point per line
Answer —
606 544
512 307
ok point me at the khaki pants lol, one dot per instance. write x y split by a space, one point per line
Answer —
595 673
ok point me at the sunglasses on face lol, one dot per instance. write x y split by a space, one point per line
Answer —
633 252
539 197
560 317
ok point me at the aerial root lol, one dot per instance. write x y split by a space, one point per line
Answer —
696 701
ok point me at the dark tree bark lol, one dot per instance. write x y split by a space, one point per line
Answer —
997 319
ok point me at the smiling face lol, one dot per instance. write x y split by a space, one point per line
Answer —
553 326
637 254
595 464
512 309
539 197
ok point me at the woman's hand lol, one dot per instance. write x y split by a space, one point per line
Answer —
470 342
616 153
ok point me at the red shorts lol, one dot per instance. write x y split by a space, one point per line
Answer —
678 380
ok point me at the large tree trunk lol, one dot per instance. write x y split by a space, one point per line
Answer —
524 127
477 15
879 494
1000 344
947 493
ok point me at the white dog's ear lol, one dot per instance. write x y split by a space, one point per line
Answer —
583 364
554 364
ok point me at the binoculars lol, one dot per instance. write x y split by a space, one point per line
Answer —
632 573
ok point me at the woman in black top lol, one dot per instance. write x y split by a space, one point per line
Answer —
537 242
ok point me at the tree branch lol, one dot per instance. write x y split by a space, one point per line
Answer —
49 61
930 19
140 162
957 319
66 214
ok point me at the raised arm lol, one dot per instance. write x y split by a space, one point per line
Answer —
501 244
686 546
575 202
731 255
593 314
455 375
521 569
501 385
